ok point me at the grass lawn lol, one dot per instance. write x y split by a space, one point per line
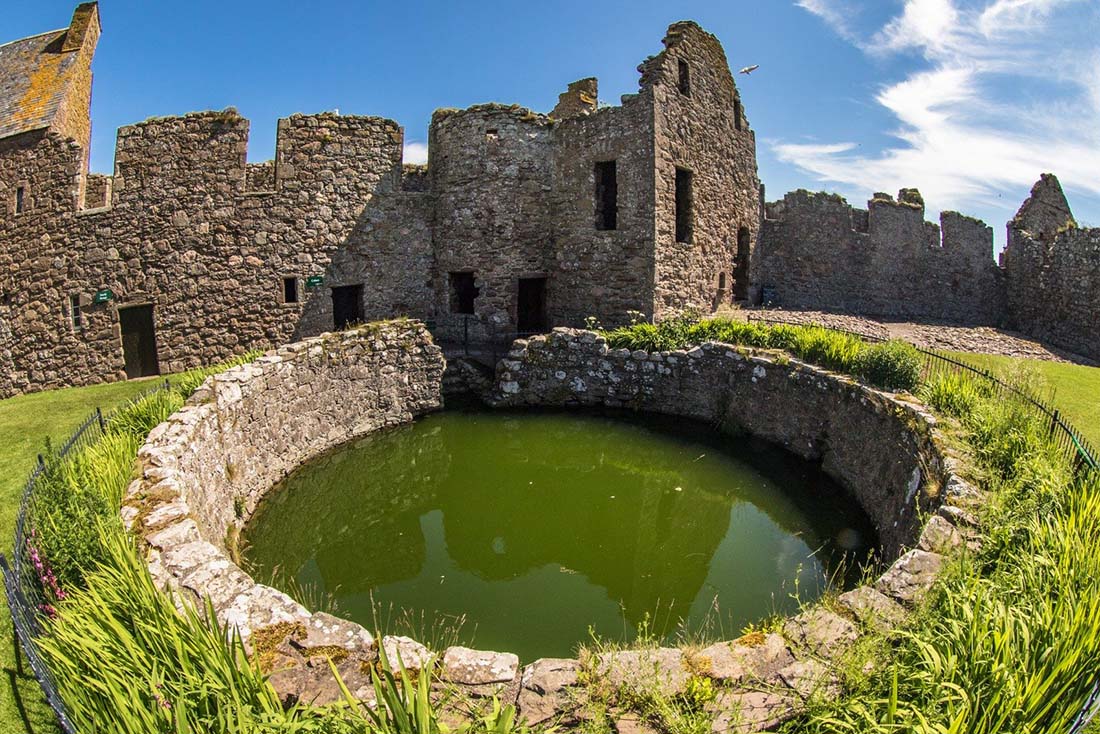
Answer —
25 422
1076 387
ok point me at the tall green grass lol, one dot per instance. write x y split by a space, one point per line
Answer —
890 365
74 496
1009 639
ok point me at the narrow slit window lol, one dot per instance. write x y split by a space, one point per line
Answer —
75 315
737 114
20 199
464 291
607 196
685 79
290 290
683 205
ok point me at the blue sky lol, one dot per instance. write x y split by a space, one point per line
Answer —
968 100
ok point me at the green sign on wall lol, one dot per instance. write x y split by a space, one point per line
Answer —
102 296
315 281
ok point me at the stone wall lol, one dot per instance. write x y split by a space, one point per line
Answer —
818 252
183 232
883 447
231 256
187 227
1053 271
604 273
204 471
491 176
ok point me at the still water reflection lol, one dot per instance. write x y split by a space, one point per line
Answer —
538 526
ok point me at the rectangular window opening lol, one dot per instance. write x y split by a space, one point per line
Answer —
290 290
737 114
464 291
683 205
20 199
607 196
75 314
685 79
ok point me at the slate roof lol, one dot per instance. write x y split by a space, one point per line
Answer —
34 75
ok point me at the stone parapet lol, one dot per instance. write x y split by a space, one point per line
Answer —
204 471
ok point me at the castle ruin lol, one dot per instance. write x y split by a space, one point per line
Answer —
521 221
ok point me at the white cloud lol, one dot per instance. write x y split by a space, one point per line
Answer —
922 24
836 15
416 153
1009 89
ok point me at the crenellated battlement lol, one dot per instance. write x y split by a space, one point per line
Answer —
820 252
898 224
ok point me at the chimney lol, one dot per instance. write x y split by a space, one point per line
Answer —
84 28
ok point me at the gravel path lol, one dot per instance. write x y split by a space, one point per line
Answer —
979 339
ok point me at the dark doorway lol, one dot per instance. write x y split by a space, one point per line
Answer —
464 292
139 341
531 305
347 306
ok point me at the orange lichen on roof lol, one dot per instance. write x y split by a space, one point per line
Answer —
45 87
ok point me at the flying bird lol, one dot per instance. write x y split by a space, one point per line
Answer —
750 69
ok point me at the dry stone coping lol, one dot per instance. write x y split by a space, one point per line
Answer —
764 679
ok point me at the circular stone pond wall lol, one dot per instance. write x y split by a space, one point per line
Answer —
203 472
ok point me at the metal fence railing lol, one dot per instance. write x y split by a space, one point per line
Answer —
23 587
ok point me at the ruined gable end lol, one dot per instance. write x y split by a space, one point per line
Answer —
1046 211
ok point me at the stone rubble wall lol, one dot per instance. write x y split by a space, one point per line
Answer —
885 448
186 225
490 176
205 469
1053 272
706 132
819 252
604 273
1054 292
181 227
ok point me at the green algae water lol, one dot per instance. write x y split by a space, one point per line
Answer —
540 528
